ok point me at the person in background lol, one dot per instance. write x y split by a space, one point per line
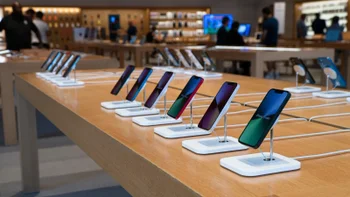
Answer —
30 13
270 39
222 33
336 27
301 27
318 25
18 29
151 35
236 39
132 31
43 29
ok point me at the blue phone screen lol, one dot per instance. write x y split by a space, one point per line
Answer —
135 90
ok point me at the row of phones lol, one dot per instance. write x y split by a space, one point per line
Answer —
57 62
199 59
324 62
256 130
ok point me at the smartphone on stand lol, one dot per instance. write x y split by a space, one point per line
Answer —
264 118
48 60
219 106
171 58
71 66
298 62
59 62
65 64
54 61
160 89
139 84
326 62
194 60
185 97
123 80
182 59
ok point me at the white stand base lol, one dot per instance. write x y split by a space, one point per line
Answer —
209 74
348 99
332 94
155 120
302 89
180 131
140 111
120 104
255 165
213 145
70 83
175 70
43 74
58 79
161 67
190 72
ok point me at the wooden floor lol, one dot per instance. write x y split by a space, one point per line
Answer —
146 164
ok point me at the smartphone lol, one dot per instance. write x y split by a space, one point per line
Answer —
123 80
185 97
65 64
181 58
326 62
59 62
139 84
48 60
194 59
207 60
264 118
219 106
308 77
162 55
173 55
54 60
71 66
185 55
171 58
160 89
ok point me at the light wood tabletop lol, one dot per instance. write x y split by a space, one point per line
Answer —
148 165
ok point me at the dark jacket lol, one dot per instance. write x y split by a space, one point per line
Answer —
222 36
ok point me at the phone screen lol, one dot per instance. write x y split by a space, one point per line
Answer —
71 66
140 82
207 60
185 55
64 65
162 55
326 62
48 60
54 61
185 97
59 62
122 80
171 58
164 81
194 59
264 118
308 77
217 106
181 58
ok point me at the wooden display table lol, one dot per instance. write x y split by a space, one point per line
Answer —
30 61
146 164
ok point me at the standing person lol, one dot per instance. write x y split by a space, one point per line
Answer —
270 39
236 39
222 33
132 31
319 25
336 28
151 35
30 13
18 29
301 27
43 29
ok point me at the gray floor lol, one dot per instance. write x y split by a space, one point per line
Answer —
65 171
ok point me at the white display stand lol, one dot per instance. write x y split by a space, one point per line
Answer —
69 83
348 99
206 74
110 105
214 145
258 164
140 111
331 94
163 119
301 89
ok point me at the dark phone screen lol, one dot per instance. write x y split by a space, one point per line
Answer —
217 105
188 59
48 60
308 77
64 63
54 61
159 88
185 97
71 66
135 90
122 80
264 118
